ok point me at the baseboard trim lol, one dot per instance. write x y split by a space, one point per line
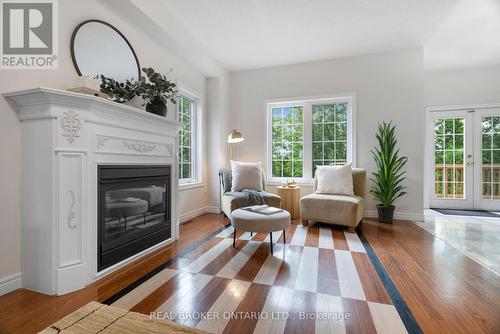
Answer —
212 209
398 215
198 212
10 283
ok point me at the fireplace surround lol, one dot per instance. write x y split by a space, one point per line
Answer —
69 144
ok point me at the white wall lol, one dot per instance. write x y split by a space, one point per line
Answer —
462 86
149 52
218 124
388 86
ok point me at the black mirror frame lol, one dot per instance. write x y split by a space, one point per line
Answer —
72 45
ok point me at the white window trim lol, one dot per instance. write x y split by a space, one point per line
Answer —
307 102
196 180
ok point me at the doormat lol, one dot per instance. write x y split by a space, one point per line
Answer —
98 318
476 213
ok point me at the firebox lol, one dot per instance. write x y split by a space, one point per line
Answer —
134 208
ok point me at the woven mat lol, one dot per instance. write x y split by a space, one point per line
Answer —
98 318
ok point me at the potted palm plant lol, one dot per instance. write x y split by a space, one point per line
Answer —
389 175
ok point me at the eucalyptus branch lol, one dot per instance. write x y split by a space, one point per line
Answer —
156 88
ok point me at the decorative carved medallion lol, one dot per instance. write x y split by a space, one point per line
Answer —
119 145
71 124
139 147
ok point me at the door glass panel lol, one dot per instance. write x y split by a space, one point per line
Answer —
449 157
490 167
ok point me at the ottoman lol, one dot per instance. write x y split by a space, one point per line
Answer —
248 221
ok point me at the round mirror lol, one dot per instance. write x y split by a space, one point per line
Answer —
99 48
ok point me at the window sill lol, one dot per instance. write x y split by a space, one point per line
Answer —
190 185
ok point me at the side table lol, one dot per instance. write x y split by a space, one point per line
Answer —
290 200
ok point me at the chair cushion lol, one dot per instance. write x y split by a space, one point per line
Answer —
335 209
225 179
335 180
246 175
358 180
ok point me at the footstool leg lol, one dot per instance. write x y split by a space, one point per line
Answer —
251 234
271 239
284 237
234 238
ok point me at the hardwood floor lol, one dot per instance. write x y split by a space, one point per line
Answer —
446 291
254 287
25 311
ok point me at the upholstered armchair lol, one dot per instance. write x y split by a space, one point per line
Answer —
230 203
336 209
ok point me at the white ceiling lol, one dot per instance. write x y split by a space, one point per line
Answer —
246 34
468 37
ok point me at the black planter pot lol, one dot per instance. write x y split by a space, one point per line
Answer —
385 213
156 106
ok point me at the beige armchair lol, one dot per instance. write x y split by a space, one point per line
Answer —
336 209
229 203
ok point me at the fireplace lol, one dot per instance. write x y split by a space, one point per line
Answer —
91 151
134 210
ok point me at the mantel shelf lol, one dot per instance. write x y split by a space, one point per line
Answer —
44 95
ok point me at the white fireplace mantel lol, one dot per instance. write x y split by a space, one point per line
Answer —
65 136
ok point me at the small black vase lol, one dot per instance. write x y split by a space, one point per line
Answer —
385 213
157 107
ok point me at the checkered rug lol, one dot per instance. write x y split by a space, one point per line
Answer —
320 281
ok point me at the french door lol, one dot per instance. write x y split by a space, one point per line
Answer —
465 159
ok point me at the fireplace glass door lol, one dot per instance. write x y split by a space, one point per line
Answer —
134 207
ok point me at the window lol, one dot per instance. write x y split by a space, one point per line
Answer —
329 134
287 141
305 134
188 136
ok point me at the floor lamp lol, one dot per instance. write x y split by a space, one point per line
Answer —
233 138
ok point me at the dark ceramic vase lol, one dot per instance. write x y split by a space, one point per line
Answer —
385 213
157 107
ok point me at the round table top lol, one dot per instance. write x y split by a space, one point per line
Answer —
288 188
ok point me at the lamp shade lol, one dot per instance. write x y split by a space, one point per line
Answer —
235 137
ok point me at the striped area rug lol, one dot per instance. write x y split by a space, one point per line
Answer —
322 280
